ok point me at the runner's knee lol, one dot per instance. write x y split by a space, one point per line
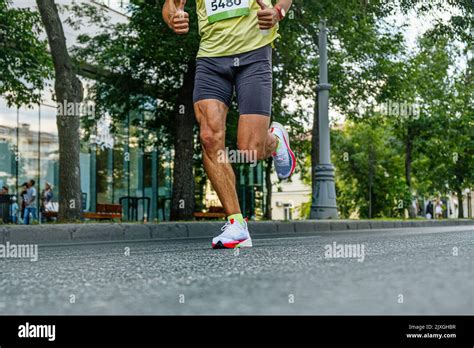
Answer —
212 141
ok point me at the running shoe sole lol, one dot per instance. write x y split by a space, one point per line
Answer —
245 243
286 138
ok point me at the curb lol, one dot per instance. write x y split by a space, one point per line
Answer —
83 233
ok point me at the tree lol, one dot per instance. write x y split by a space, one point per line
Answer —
430 68
447 155
68 89
457 27
425 82
360 50
369 164
410 80
24 60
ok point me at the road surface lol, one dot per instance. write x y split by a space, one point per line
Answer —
402 271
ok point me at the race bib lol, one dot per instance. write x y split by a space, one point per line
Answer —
218 10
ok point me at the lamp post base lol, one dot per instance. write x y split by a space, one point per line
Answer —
324 200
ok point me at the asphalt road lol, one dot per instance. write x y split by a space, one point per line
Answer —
428 270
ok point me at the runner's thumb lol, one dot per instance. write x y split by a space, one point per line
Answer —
262 4
182 3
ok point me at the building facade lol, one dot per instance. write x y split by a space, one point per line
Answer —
29 149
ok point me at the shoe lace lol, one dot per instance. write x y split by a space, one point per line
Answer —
226 226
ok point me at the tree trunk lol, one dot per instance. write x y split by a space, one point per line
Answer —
182 203
460 204
68 89
268 186
408 162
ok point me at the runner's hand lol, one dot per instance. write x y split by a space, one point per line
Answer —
267 17
179 22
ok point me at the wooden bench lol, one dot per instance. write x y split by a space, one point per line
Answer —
49 214
212 213
103 212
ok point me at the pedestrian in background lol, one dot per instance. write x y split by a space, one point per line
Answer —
4 190
24 191
30 203
46 197
438 210
429 210
14 210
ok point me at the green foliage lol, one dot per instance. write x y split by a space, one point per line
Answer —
369 166
141 63
439 139
457 27
447 155
24 61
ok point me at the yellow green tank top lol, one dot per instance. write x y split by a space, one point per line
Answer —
229 27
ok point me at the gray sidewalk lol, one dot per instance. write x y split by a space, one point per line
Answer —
99 232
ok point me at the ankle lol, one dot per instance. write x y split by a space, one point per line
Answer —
237 217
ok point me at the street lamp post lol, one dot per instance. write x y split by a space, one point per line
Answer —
324 191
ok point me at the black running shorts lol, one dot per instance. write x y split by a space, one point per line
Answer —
249 73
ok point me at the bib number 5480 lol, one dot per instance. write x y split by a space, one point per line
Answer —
216 4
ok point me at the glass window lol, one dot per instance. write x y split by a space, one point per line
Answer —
49 149
120 170
85 164
136 156
29 145
103 194
164 184
8 141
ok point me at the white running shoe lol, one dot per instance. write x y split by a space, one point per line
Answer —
284 158
234 235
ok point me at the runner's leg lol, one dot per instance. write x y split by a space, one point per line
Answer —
211 115
254 137
254 93
257 142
